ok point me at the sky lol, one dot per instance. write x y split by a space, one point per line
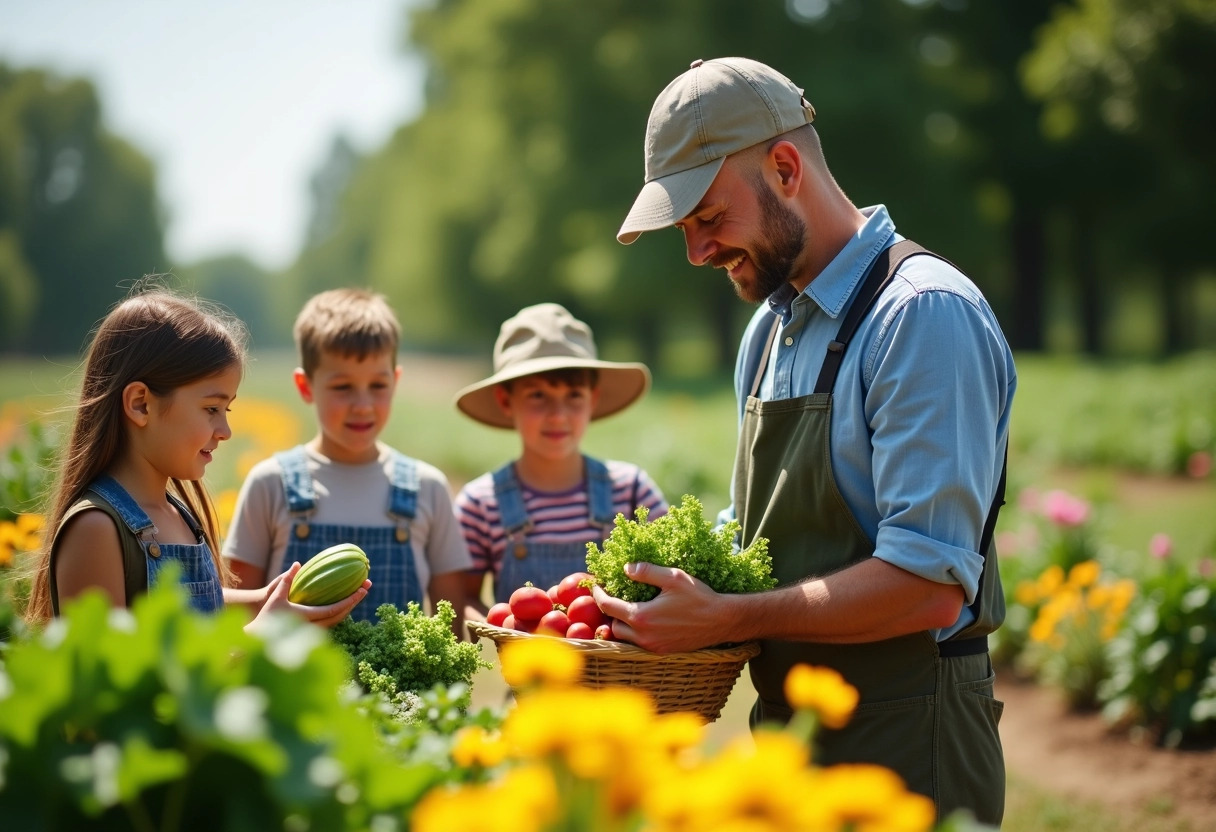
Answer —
236 101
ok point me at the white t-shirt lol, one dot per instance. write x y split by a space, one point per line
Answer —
347 495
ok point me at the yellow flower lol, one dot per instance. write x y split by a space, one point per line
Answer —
673 734
29 524
1099 596
8 541
532 661
1026 593
524 800
822 690
475 746
1123 592
754 784
1084 574
868 798
593 731
1049 581
225 507
1044 625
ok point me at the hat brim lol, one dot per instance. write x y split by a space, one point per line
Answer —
620 385
667 200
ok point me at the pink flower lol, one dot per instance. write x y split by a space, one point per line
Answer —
1160 546
1199 464
1008 543
1064 509
1206 567
1028 499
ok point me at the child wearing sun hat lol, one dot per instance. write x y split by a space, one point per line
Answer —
532 518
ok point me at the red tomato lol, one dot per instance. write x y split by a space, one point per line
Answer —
525 626
508 623
604 632
552 593
530 603
555 623
498 613
569 588
579 630
584 609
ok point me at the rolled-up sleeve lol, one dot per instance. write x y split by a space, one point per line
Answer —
937 388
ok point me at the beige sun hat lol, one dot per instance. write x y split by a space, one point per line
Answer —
547 337
716 108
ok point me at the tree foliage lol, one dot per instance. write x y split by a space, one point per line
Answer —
78 212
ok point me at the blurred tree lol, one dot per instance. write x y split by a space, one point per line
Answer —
327 187
246 290
78 212
511 185
1133 78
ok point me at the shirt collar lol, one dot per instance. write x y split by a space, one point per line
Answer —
833 286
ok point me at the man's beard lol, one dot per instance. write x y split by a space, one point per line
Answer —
775 257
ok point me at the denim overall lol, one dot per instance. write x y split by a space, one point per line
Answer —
198 573
926 709
545 564
393 574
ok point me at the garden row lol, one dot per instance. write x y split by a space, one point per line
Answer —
1131 633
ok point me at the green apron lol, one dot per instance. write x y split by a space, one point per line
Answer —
926 710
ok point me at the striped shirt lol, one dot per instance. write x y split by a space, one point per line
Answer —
556 518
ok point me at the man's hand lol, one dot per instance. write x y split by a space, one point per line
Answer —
686 614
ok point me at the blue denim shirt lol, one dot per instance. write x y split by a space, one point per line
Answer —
920 411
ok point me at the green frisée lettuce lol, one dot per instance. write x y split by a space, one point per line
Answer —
685 540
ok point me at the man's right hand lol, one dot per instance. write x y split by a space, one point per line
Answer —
685 615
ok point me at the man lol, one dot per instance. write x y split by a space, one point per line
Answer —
874 396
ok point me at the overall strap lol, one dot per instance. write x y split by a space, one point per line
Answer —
403 494
134 561
195 526
134 517
513 514
403 487
297 482
599 492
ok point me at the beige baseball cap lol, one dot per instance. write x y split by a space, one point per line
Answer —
547 337
716 108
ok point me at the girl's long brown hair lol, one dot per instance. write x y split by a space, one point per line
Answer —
166 341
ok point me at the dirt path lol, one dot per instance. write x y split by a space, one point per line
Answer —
1076 756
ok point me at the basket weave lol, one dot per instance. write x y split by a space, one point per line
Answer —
698 681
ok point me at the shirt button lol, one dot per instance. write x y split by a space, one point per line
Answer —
789 342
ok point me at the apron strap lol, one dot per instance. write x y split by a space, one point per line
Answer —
880 273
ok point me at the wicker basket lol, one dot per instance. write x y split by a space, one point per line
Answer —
698 681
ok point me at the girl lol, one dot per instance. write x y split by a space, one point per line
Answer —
158 380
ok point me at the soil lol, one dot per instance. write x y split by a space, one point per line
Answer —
1078 756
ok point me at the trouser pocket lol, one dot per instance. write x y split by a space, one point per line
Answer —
897 734
969 750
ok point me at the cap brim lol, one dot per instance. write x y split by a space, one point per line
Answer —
620 385
668 200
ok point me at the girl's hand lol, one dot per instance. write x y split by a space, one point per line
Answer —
326 616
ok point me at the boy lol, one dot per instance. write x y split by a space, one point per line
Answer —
531 519
344 486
